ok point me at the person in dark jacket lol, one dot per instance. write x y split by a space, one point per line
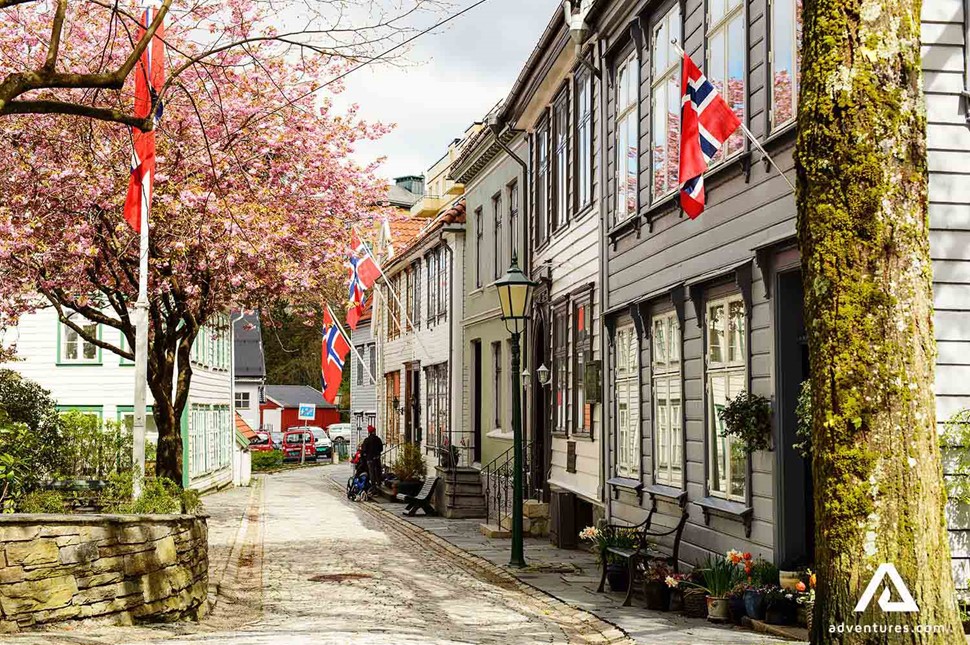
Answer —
370 451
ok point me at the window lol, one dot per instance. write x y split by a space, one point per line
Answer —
627 146
541 179
415 301
123 344
432 262
393 310
726 378
584 139
627 382
408 278
73 347
359 360
786 45
442 281
436 385
497 239
560 368
560 117
479 246
513 189
242 400
665 106
667 415
497 383
372 358
725 63
582 353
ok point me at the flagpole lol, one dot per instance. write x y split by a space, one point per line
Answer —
351 344
141 351
390 288
748 134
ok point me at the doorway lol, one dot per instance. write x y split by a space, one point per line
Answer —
477 401
796 511
541 454
412 403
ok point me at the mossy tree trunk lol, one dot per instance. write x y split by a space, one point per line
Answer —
864 235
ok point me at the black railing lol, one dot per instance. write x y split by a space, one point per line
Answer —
497 478
389 456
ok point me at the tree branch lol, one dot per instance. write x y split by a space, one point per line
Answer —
55 42
75 109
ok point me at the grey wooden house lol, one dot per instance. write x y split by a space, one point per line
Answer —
696 311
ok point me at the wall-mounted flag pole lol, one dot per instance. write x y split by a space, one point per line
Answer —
352 348
149 79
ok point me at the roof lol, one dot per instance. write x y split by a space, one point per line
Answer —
248 347
453 214
244 428
291 396
399 196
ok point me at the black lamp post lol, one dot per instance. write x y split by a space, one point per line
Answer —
515 295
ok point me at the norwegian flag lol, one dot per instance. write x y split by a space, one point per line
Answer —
335 348
706 123
149 79
355 312
364 271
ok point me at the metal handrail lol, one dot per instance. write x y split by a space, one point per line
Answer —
497 476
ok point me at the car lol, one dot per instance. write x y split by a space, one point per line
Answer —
324 446
262 442
294 440
339 432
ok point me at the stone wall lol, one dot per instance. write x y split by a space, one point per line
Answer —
126 568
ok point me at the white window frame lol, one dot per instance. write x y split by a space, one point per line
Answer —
668 417
627 401
725 368
583 117
660 79
721 26
793 43
560 147
63 342
626 119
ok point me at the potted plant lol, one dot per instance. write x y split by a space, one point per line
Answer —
748 418
761 575
656 589
409 468
780 606
718 575
617 572
805 599
736 603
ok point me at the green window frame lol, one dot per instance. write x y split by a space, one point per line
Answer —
97 410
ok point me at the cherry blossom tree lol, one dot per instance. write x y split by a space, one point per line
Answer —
254 196
76 58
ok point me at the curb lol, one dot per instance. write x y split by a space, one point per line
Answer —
253 507
579 625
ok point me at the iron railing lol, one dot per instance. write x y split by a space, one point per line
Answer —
497 477
389 456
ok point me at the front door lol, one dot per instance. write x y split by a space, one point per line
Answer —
796 511
412 412
477 401
540 459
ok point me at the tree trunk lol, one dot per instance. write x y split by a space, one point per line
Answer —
864 236
170 397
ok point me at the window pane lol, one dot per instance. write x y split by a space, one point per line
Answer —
661 48
717 71
736 332
783 59
70 344
674 428
739 461
659 141
631 163
735 93
662 426
90 351
673 130
715 334
674 340
719 463
718 8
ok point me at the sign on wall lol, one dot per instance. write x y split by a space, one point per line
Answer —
308 412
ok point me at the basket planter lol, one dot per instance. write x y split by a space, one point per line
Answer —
754 604
738 611
694 603
657 595
618 575
718 609
805 611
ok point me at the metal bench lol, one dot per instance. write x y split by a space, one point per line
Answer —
636 555
422 500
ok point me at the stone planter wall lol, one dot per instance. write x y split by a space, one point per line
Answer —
126 568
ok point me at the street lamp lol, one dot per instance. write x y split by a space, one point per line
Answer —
514 295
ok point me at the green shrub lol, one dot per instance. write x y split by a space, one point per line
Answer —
30 431
264 461
93 450
41 501
159 496
409 464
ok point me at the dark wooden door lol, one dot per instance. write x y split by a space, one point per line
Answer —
477 400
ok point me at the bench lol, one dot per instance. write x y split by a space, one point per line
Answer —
422 500
636 555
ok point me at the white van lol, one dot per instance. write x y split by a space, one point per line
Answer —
339 432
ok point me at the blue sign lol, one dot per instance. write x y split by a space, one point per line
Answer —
308 412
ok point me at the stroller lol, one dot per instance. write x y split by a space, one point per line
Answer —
358 484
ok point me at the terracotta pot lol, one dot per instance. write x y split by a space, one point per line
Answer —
718 609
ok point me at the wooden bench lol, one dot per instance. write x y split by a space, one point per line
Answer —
422 500
639 553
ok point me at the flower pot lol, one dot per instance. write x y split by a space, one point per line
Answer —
694 603
677 600
409 487
657 595
806 611
718 609
754 604
618 575
738 610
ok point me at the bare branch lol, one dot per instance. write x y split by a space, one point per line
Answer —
55 42
76 109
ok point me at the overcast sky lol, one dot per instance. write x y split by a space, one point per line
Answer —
452 78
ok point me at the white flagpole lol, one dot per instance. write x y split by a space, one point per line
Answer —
351 344
390 287
141 350
750 136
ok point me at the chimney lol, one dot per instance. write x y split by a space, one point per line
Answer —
411 183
